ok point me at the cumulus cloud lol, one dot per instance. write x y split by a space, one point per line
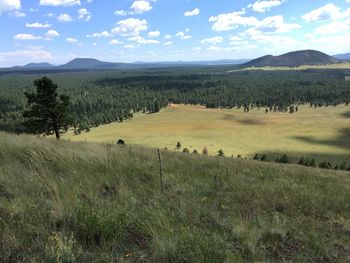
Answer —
26 37
194 12
141 40
8 5
275 24
17 14
101 34
64 18
167 36
59 2
141 6
326 12
182 35
130 27
212 40
262 6
229 21
51 34
23 56
272 24
115 42
37 25
84 14
121 13
154 34
130 46
169 43
71 40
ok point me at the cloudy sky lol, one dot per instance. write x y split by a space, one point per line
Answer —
57 31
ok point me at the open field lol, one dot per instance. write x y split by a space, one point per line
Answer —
303 67
322 133
83 202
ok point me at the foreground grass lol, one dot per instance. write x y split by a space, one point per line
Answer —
321 133
85 202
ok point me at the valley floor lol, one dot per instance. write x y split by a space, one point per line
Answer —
322 133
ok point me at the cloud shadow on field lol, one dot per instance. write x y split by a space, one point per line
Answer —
346 114
341 141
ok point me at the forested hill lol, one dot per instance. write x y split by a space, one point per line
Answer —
293 59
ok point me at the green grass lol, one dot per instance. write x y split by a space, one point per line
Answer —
86 202
322 133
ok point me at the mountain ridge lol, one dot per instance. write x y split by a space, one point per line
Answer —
293 59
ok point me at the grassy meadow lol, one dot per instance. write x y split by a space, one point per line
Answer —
87 202
322 133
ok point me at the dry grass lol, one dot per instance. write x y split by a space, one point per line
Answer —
322 132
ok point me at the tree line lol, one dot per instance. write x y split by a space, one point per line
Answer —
103 97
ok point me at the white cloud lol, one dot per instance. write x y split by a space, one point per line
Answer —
329 11
154 34
8 5
17 14
183 35
169 43
194 12
167 36
71 40
130 27
212 40
23 56
115 42
275 24
141 40
141 6
64 18
262 6
84 14
26 37
51 34
37 25
129 46
101 34
121 13
229 21
59 2
334 27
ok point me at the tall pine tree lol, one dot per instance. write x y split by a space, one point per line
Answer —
47 111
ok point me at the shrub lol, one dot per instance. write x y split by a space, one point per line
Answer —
220 152
283 159
185 150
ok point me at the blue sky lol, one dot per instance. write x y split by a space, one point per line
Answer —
57 31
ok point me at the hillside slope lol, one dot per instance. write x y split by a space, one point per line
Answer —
81 202
293 59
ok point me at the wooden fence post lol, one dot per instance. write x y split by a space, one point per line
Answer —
160 171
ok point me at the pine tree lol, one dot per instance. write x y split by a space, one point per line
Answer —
47 112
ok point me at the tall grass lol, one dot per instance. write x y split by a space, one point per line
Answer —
82 202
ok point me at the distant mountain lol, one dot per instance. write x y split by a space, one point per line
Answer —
38 65
293 59
35 66
345 56
90 63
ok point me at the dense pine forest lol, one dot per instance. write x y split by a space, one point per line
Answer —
100 97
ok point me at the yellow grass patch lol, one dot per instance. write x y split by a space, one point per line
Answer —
310 132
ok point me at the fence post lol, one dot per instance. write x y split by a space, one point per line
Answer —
160 171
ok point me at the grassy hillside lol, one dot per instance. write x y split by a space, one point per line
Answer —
86 202
322 133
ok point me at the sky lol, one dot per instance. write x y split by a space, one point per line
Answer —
57 31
